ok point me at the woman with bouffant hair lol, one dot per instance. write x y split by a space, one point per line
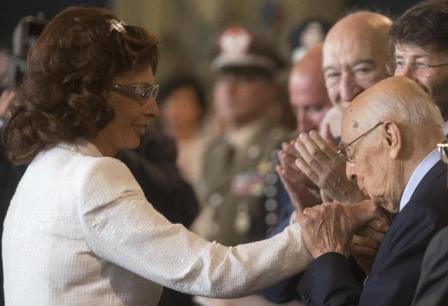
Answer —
79 230
68 75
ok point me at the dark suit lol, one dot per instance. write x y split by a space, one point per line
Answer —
396 269
433 284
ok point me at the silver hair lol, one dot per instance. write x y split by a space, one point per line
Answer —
415 108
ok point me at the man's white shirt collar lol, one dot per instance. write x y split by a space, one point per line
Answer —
445 128
423 167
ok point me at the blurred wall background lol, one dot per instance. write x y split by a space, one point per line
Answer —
187 29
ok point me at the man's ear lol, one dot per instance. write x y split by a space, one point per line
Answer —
392 138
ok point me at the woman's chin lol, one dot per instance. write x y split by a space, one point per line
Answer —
134 143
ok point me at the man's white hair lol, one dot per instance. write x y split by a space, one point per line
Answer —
404 102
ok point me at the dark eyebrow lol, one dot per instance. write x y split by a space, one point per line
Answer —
416 57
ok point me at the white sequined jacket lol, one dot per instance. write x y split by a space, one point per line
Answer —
79 231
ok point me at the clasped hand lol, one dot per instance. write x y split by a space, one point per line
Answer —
317 159
302 192
330 227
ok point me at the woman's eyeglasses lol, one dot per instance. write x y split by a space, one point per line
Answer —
138 93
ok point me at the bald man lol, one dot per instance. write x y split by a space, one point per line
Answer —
389 137
309 101
355 53
354 56
308 95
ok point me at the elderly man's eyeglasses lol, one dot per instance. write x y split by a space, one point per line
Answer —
342 152
138 93
443 150
414 66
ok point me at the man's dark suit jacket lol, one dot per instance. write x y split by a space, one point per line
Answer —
396 269
433 284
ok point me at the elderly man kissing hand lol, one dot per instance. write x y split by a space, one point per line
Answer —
389 133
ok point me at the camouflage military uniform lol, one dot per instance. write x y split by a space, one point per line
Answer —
230 190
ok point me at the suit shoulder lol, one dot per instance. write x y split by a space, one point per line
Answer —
106 168
424 215
102 179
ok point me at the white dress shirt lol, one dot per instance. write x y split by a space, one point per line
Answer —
423 167
79 231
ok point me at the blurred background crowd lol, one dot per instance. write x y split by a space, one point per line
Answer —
188 30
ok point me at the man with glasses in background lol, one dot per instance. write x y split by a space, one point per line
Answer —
390 133
420 37
421 53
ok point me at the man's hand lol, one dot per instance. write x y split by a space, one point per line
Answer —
318 160
330 227
367 240
302 192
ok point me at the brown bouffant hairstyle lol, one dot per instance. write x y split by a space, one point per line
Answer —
69 73
424 24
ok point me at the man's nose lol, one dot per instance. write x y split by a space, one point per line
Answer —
348 87
406 71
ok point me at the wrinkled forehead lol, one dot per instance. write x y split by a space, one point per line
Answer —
351 125
348 49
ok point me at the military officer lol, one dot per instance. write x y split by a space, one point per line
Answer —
237 163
